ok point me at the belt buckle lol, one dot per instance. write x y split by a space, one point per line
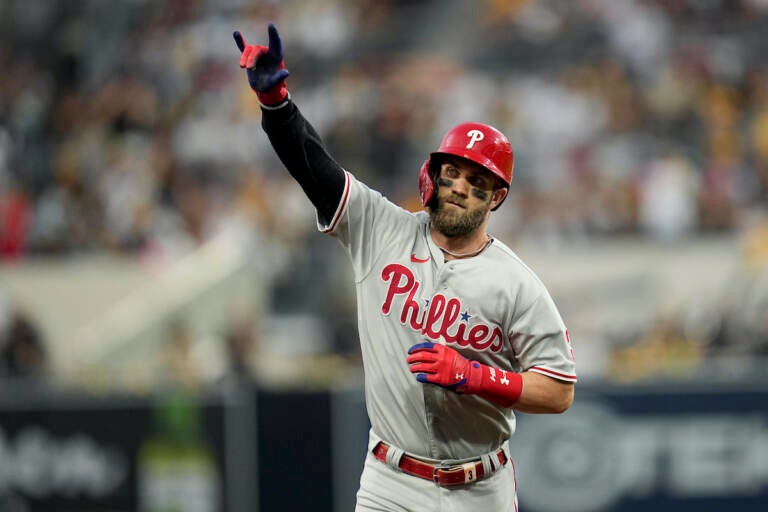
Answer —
446 467
440 467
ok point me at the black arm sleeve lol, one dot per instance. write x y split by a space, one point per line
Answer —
302 152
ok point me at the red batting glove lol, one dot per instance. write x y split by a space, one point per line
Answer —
265 67
442 365
439 364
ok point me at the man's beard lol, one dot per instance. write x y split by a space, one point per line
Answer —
456 222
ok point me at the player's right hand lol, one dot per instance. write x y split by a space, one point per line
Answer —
265 67
439 364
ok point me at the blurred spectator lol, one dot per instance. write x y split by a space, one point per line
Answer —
22 350
668 207
241 345
15 218
181 371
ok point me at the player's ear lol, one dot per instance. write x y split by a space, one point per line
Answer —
498 196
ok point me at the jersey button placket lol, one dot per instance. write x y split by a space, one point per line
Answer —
442 282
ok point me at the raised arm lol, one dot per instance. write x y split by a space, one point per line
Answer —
295 141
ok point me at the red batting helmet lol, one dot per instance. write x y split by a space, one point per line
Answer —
478 142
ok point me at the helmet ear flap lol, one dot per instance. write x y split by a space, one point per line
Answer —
426 184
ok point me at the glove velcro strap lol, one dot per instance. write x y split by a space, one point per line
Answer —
275 97
502 387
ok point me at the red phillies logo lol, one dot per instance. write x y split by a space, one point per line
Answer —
440 319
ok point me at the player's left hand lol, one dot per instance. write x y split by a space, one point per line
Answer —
439 364
265 67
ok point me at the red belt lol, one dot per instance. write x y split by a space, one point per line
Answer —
460 474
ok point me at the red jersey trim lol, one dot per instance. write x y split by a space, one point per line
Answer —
342 205
552 373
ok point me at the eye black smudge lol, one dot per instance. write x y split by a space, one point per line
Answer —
479 194
444 182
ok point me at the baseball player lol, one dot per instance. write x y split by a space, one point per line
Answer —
456 331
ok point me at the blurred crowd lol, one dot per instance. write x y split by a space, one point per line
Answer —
127 126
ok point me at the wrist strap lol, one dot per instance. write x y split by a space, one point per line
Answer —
502 387
274 97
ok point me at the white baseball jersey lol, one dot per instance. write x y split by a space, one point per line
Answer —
491 308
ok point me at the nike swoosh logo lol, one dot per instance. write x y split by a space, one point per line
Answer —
419 260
